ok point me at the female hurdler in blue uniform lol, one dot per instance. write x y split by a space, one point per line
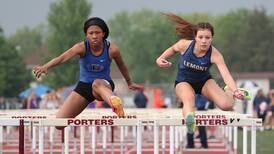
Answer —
96 54
193 77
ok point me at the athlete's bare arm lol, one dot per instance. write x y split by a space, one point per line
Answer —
77 49
115 54
217 58
178 47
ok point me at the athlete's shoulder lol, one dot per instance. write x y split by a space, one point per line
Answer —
215 51
113 46
182 45
113 50
79 47
216 55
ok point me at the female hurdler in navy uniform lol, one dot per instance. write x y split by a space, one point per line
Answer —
96 54
193 77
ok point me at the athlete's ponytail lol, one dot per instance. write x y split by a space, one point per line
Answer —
188 30
184 29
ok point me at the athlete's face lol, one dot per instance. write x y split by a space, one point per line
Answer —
203 39
95 35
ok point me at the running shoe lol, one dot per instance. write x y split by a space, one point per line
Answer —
190 122
117 106
247 95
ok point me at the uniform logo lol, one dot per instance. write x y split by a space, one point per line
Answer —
95 67
193 66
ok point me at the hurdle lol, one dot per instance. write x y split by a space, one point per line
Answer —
14 122
138 118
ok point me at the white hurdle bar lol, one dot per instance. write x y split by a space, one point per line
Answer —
145 122
157 118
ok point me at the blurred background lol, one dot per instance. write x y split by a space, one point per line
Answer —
33 32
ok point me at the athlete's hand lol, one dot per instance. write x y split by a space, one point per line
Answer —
134 86
163 63
239 94
38 71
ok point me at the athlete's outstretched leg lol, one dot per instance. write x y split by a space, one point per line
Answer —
186 95
102 91
72 106
223 99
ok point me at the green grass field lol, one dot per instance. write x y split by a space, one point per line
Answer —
265 142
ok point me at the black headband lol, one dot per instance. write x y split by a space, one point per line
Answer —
98 22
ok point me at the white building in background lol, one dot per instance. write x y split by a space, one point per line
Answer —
252 82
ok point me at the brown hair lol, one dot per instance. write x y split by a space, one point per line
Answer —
187 30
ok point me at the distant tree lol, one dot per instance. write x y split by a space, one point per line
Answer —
65 18
3 48
13 77
27 41
246 39
260 37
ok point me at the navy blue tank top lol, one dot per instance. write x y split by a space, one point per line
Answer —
95 67
191 68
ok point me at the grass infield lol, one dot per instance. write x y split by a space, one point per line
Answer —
265 142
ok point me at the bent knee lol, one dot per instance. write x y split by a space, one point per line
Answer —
226 106
97 83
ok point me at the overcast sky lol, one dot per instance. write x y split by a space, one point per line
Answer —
15 14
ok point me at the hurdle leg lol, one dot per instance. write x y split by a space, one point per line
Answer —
139 138
104 139
122 139
93 138
21 136
33 139
134 131
244 140
1 139
8 130
75 136
126 131
176 137
51 133
30 129
226 133
82 139
62 139
163 139
235 142
112 139
230 138
181 138
41 139
156 138
66 140
253 138
171 139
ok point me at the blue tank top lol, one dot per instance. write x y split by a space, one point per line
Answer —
191 68
95 67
